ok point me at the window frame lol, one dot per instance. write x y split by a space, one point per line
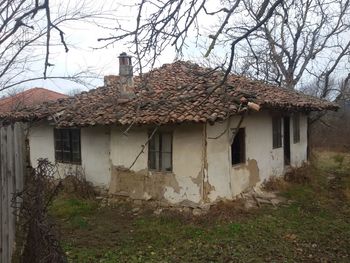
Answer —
296 128
71 160
160 151
242 150
277 132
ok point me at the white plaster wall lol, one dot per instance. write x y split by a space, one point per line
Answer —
187 163
104 146
41 143
187 158
125 148
299 150
94 152
229 181
219 163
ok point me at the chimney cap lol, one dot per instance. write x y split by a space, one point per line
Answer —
123 55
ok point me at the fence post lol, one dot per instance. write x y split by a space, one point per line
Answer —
11 181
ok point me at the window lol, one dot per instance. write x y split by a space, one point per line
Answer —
276 132
296 128
160 152
238 147
67 145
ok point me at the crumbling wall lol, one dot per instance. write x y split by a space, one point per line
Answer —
218 174
244 176
262 161
183 183
202 169
142 184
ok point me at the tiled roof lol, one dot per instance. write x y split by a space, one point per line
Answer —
174 93
28 97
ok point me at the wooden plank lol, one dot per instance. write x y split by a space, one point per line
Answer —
12 169
19 156
11 187
19 165
20 146
1 199
5 210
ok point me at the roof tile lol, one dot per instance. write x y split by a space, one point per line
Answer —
174 93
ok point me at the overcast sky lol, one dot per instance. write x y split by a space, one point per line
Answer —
85 52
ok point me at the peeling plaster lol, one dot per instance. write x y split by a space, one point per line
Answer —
251 168
183 183
142 184
202 170
198 180
207 188
262 160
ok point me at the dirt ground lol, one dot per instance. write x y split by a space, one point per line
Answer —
313 227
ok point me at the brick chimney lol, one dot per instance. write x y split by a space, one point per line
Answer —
124 82
125 72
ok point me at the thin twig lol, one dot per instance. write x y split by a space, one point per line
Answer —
144 146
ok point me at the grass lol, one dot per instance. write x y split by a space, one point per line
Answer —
73 210
315 227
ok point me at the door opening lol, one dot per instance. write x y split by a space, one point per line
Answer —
286 140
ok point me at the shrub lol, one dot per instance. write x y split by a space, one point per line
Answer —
300 175
275 183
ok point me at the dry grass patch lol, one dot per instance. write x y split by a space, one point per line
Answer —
275 183
313 228
300 175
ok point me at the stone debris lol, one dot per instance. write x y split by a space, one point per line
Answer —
186 210
256 197
197 212
158 211
136 209
205 207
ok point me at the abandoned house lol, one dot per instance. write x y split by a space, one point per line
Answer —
174 133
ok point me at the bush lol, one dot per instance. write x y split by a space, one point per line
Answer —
300 175
275 183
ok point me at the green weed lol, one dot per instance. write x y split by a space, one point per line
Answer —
313 228
68 208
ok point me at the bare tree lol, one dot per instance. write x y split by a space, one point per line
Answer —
28 30
306 37
160 24
330 131
344 89
283 40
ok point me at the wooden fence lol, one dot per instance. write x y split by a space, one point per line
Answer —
12 169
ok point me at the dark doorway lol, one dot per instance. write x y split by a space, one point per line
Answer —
238 147
286 140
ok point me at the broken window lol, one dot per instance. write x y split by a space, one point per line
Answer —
276 132
296 128
160 152
67 146
238 147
